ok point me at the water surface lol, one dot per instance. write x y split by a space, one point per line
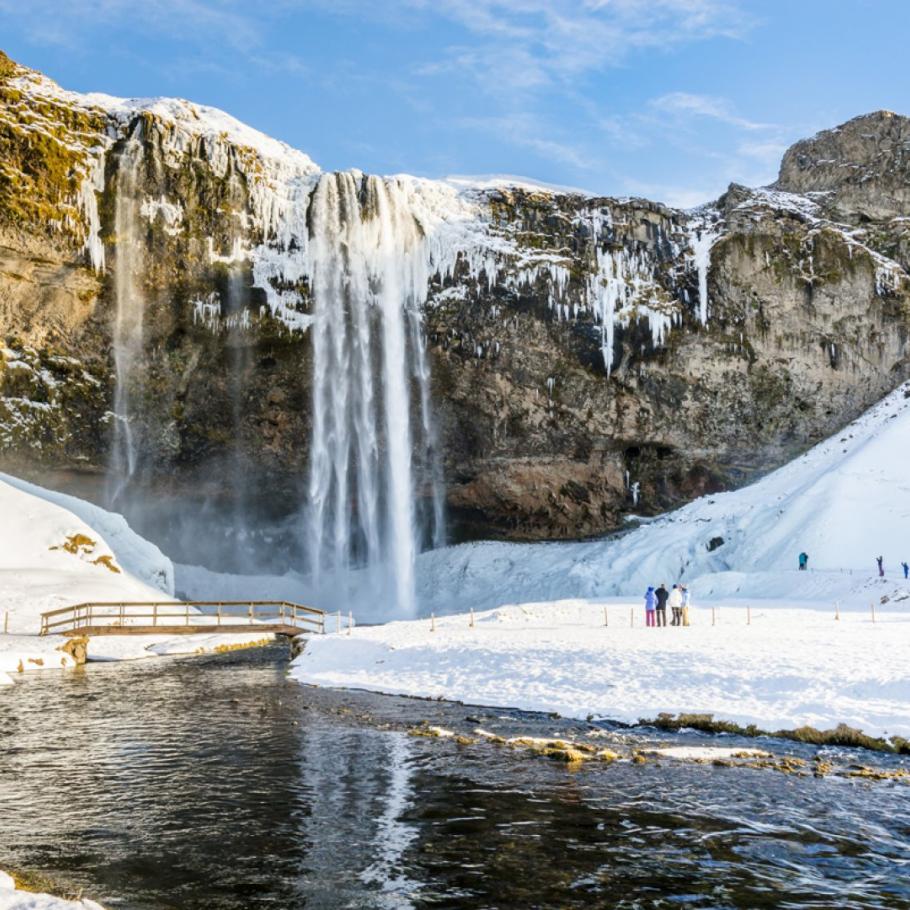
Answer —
217 783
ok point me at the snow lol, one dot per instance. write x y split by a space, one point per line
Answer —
789 667
510 181
106 561
775 654
13 899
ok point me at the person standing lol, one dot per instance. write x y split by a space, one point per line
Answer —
650 604
662 595
803 561
881 566
675 602
685 605
906 569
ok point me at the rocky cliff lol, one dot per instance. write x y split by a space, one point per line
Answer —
589 358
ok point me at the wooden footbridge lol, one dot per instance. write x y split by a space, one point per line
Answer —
184 618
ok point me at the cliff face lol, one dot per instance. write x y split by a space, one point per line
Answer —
589 357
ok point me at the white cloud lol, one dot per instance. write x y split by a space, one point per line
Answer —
532 42
528 131
710 106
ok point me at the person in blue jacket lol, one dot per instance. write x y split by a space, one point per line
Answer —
906 569
803 561
650 606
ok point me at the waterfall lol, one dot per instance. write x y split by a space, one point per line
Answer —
238 363
128 318
369 268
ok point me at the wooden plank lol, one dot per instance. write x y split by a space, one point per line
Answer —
271 628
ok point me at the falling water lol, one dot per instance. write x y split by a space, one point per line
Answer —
369 272
239 359
128 319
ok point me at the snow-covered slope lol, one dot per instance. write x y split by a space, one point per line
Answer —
844 502
136 555
56 551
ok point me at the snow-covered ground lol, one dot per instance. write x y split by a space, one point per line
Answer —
57 551
790 667
844 502
13 899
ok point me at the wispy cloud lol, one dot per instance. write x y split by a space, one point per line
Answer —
528 131
710 106
522 43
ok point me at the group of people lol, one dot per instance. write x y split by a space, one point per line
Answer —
658 599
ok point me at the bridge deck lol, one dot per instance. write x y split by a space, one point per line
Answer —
185 618
206 629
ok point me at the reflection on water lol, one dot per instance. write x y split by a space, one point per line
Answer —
216 783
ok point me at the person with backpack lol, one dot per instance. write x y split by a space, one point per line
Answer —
662 595
685 605
650 604
803 561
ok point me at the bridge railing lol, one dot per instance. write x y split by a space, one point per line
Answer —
211 614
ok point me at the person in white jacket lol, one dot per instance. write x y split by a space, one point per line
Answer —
686 597
675 603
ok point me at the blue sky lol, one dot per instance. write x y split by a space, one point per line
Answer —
670 99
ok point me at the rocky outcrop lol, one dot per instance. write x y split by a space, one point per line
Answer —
590 357
861 169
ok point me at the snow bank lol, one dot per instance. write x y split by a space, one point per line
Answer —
790 667
57 551
51 557
13 899
138 556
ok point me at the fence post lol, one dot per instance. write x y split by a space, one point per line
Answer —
606 618
6 622
251 613
154 614
219 614
872 607
186 614
350 621
472 618
631 617
713 620
837 610
122 613
432 622
338 622
748 616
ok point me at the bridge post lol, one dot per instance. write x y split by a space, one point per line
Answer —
219 614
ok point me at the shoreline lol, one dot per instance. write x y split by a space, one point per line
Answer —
792 672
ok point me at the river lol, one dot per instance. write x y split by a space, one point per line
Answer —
217 783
